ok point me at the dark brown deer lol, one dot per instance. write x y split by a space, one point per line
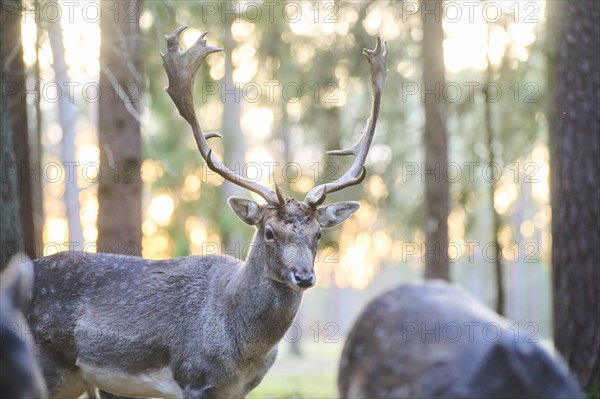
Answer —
195 327
434 340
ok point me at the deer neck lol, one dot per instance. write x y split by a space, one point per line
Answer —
263 308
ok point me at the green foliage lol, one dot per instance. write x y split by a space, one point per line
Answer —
323 124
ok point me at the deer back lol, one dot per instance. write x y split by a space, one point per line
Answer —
435 340
95 307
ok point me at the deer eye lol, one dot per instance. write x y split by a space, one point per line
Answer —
319 234
269 234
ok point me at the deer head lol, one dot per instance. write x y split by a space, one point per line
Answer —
288 235
287 231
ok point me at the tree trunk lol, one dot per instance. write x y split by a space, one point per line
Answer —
11 53
496 221
575 149
10 226
120 187
435 140
35 147
67 117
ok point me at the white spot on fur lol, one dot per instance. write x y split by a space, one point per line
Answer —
156 383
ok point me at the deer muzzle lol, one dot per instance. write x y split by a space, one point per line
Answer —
304 277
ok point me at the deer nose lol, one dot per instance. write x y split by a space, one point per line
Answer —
304 280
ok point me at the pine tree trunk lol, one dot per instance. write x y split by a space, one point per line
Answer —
11 53
120 187
10 225
575 166
496 221
67 117
35 148
436 151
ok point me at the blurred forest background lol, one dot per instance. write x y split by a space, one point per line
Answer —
460 158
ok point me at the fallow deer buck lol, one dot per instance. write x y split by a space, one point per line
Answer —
200 326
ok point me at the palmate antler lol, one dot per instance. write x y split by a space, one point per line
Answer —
355 175
181 68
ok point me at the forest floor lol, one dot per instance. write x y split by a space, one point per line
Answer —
311 375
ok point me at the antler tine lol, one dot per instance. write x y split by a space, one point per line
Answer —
181 68
376 59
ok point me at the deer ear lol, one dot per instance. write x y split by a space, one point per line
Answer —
249 211
16 282
333 214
